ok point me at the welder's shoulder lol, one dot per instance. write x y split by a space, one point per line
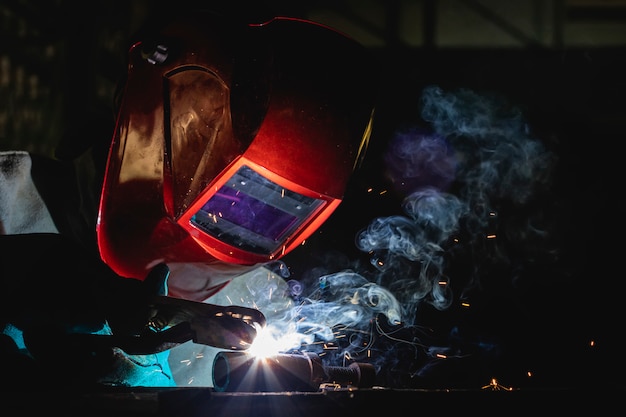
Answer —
22 209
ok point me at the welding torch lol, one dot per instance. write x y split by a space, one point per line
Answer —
176 321
168 322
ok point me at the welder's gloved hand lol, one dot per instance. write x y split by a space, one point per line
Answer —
50 279
52 287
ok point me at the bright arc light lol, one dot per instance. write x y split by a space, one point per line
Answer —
270 342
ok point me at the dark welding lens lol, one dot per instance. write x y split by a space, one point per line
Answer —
253 213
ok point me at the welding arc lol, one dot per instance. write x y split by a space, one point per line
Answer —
240 372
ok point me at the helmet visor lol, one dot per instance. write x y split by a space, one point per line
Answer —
254 212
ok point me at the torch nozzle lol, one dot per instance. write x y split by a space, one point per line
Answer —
241 372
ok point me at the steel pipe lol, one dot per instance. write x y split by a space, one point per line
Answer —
241 372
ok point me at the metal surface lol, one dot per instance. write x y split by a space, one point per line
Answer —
190 402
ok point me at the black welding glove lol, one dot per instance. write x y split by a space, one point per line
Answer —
48 279
52 287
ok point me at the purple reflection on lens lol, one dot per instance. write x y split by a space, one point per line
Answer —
248 212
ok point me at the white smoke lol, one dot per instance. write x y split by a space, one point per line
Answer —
474 154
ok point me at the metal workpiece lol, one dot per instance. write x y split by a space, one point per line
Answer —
242 372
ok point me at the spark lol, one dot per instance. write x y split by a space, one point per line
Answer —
491 236
495 386
381 192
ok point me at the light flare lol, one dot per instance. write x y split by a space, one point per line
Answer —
270 341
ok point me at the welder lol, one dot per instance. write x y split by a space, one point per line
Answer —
233 142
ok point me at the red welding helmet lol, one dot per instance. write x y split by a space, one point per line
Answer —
233 143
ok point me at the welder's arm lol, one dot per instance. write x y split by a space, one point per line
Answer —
52 285
49 280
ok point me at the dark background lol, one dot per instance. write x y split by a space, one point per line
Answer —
562 321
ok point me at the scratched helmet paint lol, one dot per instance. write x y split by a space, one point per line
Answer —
233 143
